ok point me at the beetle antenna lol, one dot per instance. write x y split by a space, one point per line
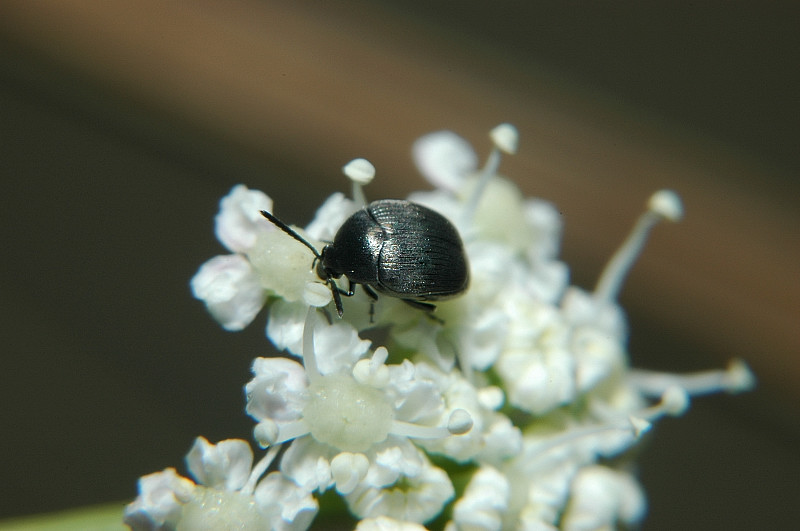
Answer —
291 232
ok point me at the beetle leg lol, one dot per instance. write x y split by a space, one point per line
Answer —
351 289
371 293
373 297
337 299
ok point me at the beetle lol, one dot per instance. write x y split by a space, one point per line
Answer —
395 247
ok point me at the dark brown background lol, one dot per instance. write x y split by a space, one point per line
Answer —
123 126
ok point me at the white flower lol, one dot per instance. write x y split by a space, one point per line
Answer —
222 466
600 497
288 507
522 382
423 494
492 438
345 415
227 284
231 290
484 504
160 501
228 495
537 368
239 222
266 261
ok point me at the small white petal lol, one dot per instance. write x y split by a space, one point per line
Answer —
285 325
308 464
484 502
222 466
277 390
422 497
582 308
491 397
545 221
348 469
239 221
160 501
501 216
445 159
597 356
317 294
337 346
501 439
481 342
392 459
548 482
231 290
538 382
600 498
330 216
286 505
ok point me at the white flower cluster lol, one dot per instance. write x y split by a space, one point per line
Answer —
520 389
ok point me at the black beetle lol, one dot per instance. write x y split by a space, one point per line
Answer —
397 247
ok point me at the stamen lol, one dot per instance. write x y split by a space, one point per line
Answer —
459 423
269 433
640 426
266 432
373 371
674 402
309 357
259 469
635 426
736 378
360 172
505 138
664 204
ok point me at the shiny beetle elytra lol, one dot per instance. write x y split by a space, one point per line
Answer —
395 247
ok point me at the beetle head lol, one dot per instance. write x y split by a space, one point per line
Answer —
326 266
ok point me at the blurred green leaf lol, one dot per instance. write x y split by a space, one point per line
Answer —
96 518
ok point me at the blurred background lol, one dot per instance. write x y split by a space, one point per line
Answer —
123 125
